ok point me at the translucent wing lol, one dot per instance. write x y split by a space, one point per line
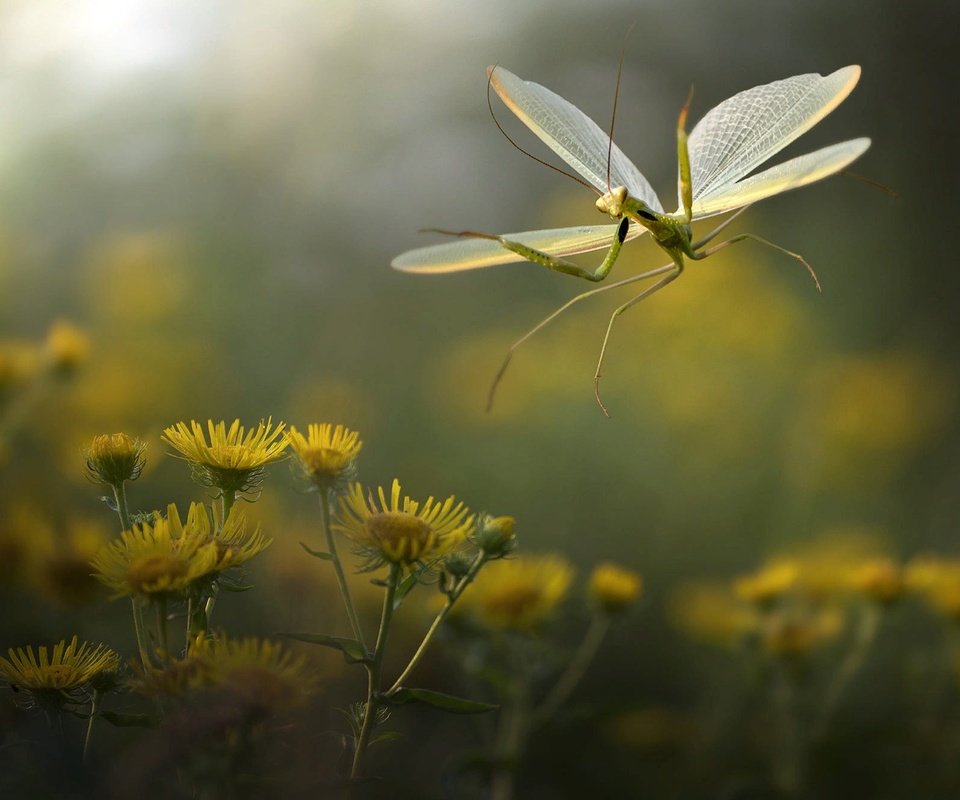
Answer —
571 134
745 130
789 175
472 253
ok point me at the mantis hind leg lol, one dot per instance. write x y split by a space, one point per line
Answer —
741 237
676 268
556 313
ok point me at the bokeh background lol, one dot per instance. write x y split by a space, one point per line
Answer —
212 193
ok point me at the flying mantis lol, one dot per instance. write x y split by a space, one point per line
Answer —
715 162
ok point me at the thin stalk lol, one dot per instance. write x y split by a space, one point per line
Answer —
138 632
227 500
452 598
576 669
374 670
94 708
120 495
207 610
338 569
162 626
866 632
510 743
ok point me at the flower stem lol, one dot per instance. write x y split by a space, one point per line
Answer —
452 598
94 709
577 667
338 568
227 500
162 626
138 632
120 495
374 670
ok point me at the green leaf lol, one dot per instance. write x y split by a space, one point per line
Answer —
445 702
404 587
352 650
386 736
317 553
128 720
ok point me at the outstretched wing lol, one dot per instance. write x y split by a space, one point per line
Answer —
747 129
789 175
474 253
571 134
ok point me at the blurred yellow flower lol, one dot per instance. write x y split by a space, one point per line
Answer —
710 612
794 633
518 593
67 346
61 569
66 670
327 455
20 362
234 459
114 458
158 559
880 579
768 584
402 531
614 588
937 580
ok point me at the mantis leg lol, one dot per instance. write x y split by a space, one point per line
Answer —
675 270
695 246
554 262
554 314
754 238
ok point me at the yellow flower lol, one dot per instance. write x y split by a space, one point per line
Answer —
235 544
113 458
327 455
937 580
794 634
518 594
258 673
67 346
768 584
402 532
157 559
880 579
19 363
710 612
234 459
65 672
495 535
614 587
61 572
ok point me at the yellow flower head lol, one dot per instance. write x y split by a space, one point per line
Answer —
614 588
63 674
20 362
710 612
518 594
234 459
61 572
402 531
160 558
937 580
794 635
327 455
258 673
67 346
768 584
495 535
880 579
113 458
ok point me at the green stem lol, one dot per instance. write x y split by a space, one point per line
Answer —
374 670
205 613
577 667
227 499
866 632
161 604
452 598
338 568
120 495
94 708
510 743
138 631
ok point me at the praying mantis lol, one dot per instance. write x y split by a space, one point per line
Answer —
715 161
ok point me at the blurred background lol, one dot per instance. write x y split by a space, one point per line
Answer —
211 193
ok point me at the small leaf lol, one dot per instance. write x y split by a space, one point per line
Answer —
235 587
317 553
379 582
386 736
128 720
445 702
404 587
352 651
